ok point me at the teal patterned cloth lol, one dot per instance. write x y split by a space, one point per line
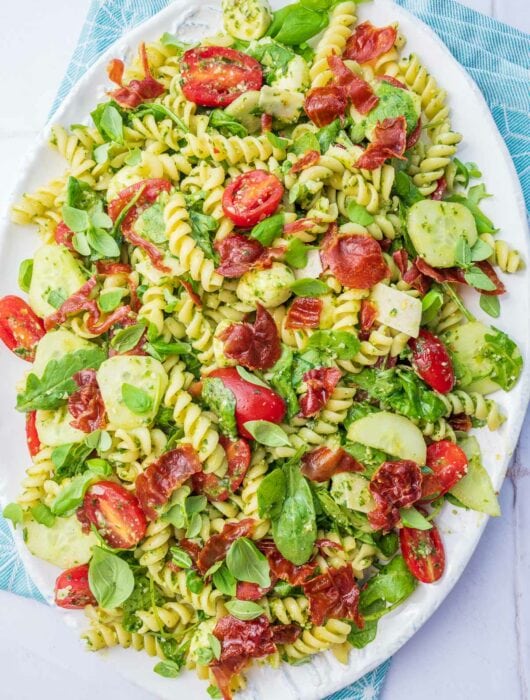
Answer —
495 55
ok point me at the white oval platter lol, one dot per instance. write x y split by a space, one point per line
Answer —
461 530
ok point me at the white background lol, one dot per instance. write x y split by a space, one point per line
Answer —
476 647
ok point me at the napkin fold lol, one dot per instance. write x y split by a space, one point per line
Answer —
496 56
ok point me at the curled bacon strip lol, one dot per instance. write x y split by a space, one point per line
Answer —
86 404
254 345
334 594
218 545
105 267
322 463
217 488
304 312
240 254
356 260
306 161
360 93
156 484
389 141
137 91
369 42
320 383
394 485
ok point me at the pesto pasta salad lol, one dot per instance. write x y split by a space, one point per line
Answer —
253 382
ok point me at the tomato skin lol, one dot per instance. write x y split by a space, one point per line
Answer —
253 402
251 197
449 464
431 361
32 436
72 590
214 76
115 512
423 552
20 328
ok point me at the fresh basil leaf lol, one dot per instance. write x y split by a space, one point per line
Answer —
101 153
222 402
342 345
161 350
98 440
505 358
226 124
43 515
80 243
274 58
80 195
281 381
462 252
71 496
134 157
406 189
327 135
137 400
167 669
127 338
180 557
102 243
194 582
202 226
57 383
431 304
410 517
478 279
388 544
109 301
195 504
224 580
69 459
101 220
307 287
359 638
268 230
246 563
271 494
277 141
295 530
358 214
168 39
76 219
296 24
99 466
481 251
110 578
13 512
25 273
215 646
491 305
267 433
392 585
341 517
244 609
249 377
111 124
214 692
296 253
305 143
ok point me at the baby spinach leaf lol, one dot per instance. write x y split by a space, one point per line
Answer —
110 578
159 112
180 557
244 609
76 219
108 120
137 400
359 638
69 459
268 230
71 495
222 402
267 433
392 585
80 195
246 563
109 301
151 225
271 494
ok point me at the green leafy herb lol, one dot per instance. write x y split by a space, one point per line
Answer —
431 303
305 143
222 402
57 383
14 512
307 287
80 195
490 304
109 301
69 459
76 219
134 157
127 338
277 141
244 609
168 39
143 597
388 544
109 121
267 433
71 496
358 214
226 124
43 515
268 230
98 440
246 563
180 557
159 112
103 243
110 578
505 357
56 298
341 345
478 279
99 466
295 24
481 251
271 494
137 400
101 153
462 252
224 580
281 380
202 226
327 135
194 582
249 377
150 224
341 517
359 638
167 669
25 273
296 253
392 585
406 189
410 517
274 58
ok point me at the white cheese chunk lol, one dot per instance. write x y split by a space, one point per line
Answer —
397 309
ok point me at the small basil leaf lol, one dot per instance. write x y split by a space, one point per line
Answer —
228 125
13 512
296 253
308 287
71 496
491 305
340 344
478 279
358 214
267 433
246 563
137 400
110 578
25 272
167 669
109 301
75 219
268 230
224 580
111 124
43 515
271 494
244 609
180 557
127 338
249 377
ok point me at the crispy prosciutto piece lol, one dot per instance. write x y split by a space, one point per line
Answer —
285 634
320 383
137 91
367 318
325 104
414 137
217 488
389 141
282 568
401 258
447 274
368 42
241 640
250 591
156 484
86 404
441 186
106 267
334 594
240 254
254 345
322 463
304 312
63 235
391 81
417 279
300 225
394 485
356 260
217 545
461 422
359 92
306 161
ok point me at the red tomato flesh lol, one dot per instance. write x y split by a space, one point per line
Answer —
251 197
32 436
448 463
253 402
431 361
423 552
115 513
20 328
213 76
72 590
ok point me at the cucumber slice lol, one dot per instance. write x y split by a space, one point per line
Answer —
246 19
245 109
475 489
54 270
352 491
435 227
64 544
54 345
472 368
53 427
395 435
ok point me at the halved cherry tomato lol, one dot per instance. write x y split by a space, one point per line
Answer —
253 402
20 328
72 590
423 552
213 76
32 436
115 513
448 463
431 361
252 197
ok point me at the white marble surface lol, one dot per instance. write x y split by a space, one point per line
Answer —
476 647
